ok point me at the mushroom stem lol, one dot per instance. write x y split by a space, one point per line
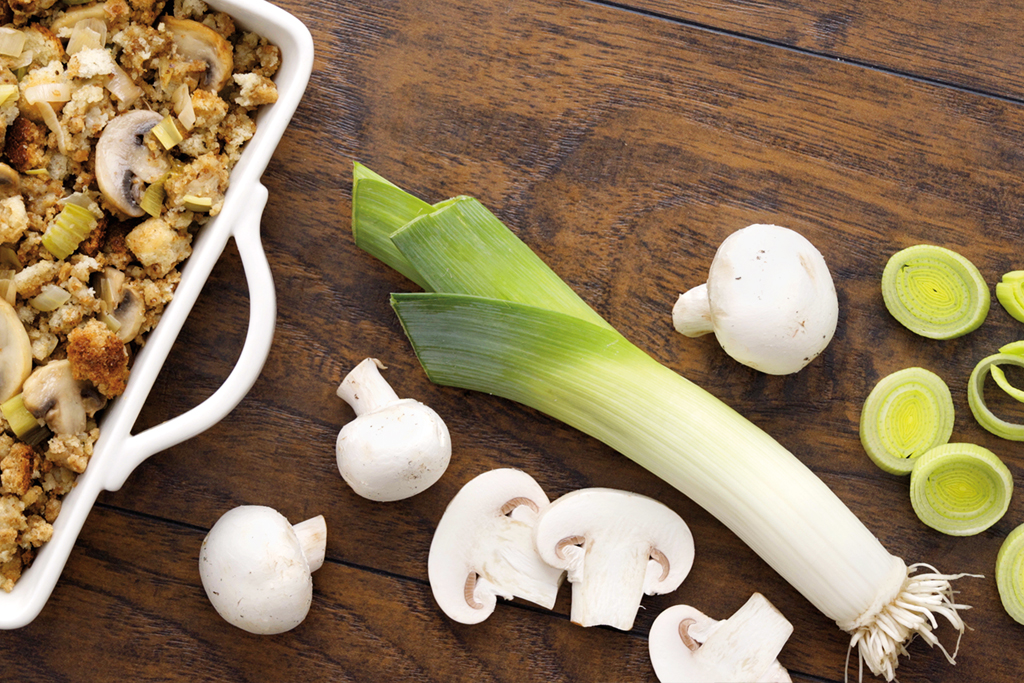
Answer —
312 535
365 389
691 316
748 642
613 585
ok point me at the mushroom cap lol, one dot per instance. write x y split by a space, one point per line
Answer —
198 42
15 352
773 303
616 546
395 451
483 548
123 162
254 571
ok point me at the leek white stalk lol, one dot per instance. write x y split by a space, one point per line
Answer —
518 335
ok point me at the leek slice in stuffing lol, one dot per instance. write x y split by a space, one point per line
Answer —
24 425
68 229
167 132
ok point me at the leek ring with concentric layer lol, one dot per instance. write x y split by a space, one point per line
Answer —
960 489
1010 574
907 414
935 292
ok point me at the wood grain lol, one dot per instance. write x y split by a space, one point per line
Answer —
623 148
969 45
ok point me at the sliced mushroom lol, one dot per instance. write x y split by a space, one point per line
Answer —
616 546
687 645
51 393
124 163
483 548
10 182
130 313
123 302
200 43
15 352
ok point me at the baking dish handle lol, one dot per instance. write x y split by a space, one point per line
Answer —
259 336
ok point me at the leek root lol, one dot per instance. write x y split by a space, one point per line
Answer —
518 334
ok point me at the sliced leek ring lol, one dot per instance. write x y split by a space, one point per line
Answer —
68 229
935 292
960 489
1010 574
1010 293
907 414
1011 354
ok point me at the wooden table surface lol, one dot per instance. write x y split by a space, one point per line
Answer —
622 141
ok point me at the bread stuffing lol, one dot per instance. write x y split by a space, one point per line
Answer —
120 122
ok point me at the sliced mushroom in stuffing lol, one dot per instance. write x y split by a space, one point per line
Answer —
124 163
52 394
200 43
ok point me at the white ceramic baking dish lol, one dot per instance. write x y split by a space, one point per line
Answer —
118 451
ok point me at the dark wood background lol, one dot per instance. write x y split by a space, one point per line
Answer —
623 142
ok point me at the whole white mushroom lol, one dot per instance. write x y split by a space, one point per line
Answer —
769 299
395 447
257 568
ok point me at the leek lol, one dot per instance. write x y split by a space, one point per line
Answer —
25 426
68 229
528 339
381 209
935 292
960 489
1010 574
167 132
51 298
8 93
1010 293
1010 354
197 204
152 201
907 414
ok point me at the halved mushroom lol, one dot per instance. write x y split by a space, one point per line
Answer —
124 163
687 646
616 546
10 182
483 548
15 352
200 43
52 394
123 302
